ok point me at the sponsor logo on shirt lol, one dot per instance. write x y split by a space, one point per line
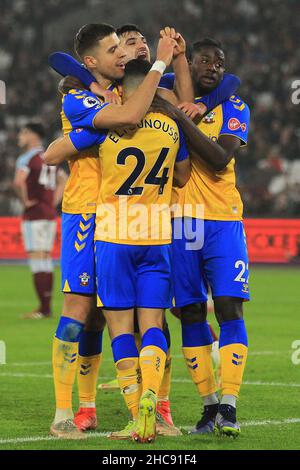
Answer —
90 102
234 124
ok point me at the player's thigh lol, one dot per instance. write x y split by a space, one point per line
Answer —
116 275
38 235
189 281
154 276
119 322
95 320
228 308
77 254
226 259
150 318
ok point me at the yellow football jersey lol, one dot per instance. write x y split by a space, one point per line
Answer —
82 187
216 191
137 168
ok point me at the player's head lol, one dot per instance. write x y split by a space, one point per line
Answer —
207 61
134 42
98 47
135 72
31 135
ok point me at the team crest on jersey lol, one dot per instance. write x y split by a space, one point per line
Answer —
90 101
84 279
209 118
234 124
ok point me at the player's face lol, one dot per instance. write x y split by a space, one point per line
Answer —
24 138
109 58
207 68
135 45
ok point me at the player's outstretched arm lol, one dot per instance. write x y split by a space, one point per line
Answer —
72 144
183 90
60 150
182 172
77 76
217 155
139 102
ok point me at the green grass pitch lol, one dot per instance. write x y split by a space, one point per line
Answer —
268 408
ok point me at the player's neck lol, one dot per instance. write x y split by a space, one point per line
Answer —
34 144
103 81
199 91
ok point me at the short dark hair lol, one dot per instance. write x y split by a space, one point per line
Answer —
36 127
134 69
126 28
89 35
137 67
204 42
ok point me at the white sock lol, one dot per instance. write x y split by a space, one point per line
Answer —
211 399
61 414
87 404
228 400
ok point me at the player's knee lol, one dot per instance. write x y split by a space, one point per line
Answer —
95 320
193 313
176 311
77 307
228 308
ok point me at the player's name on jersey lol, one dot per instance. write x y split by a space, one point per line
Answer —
147 123
151 223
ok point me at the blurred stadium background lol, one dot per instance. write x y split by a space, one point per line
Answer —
260 38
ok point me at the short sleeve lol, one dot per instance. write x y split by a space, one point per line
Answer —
183 152
85 138
81 107
167 81
23 161
236 119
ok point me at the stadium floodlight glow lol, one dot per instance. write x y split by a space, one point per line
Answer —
2 92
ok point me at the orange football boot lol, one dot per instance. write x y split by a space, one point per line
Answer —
86 419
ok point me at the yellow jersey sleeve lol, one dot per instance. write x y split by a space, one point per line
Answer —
81 191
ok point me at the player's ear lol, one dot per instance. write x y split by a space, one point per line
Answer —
90 61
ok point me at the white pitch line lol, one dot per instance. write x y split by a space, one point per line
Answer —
177 380
272 384
174 356
22 440
264 422
29 364
39 376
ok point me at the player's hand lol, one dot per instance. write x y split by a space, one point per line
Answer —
168 32
68 83
165 49
192 110
107 95
180 47
30 203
